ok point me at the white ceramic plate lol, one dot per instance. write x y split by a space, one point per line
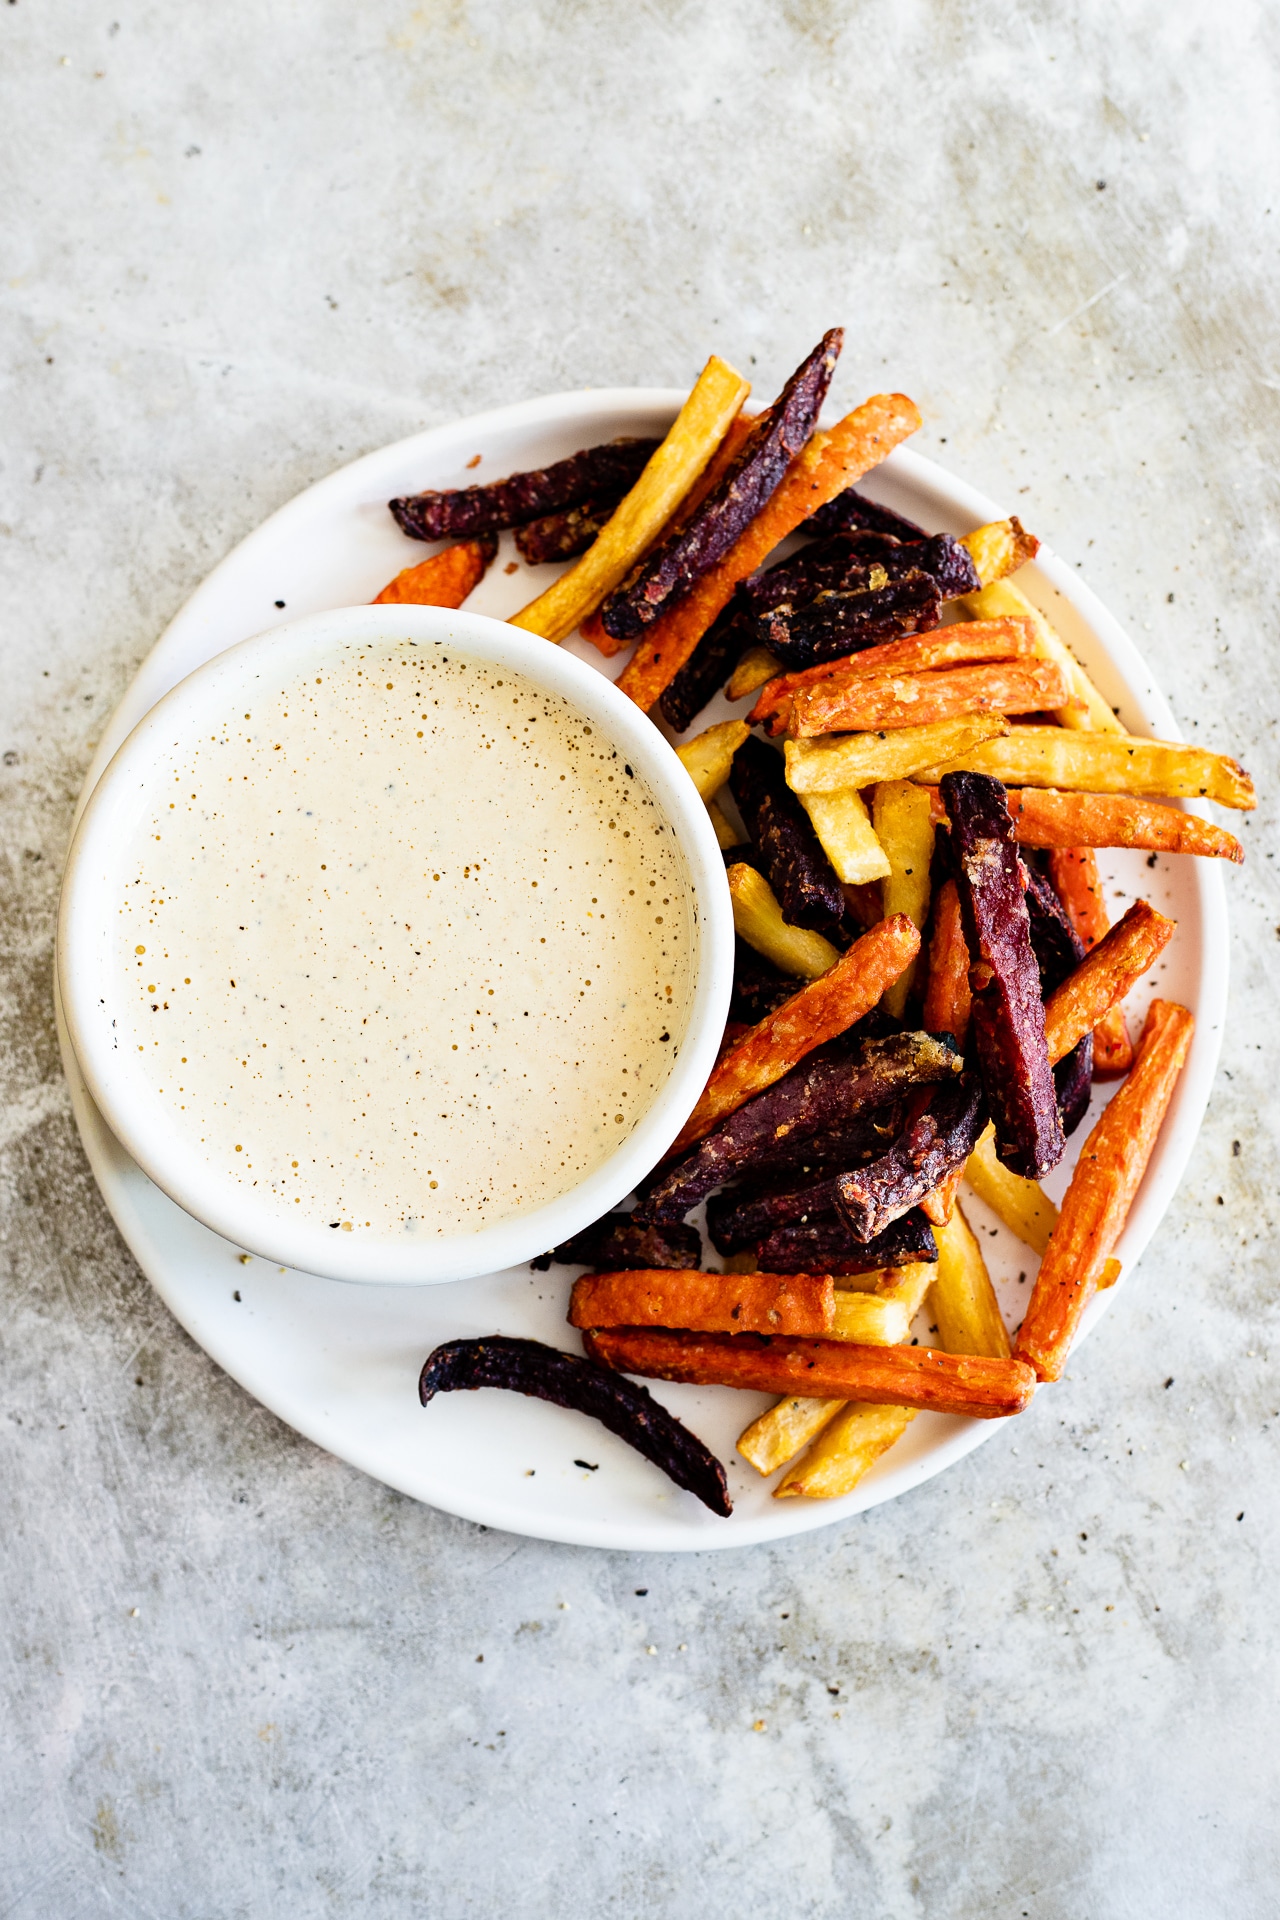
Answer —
340 1362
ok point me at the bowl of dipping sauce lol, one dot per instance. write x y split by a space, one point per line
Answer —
395 945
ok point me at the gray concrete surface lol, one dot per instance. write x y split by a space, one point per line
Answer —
242 245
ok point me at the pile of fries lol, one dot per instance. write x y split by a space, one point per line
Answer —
927 982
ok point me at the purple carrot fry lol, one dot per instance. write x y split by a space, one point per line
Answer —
830 1088
460 513
619 1243
1008 1010
563 535
707 668
851 511
567 1380
671 570
827 1246
795 865
931 1146
849 621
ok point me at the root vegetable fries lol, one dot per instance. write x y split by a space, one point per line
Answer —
845 1451
904 828
725 454
999 548
1077 822
971 643
708 758
1085 709
1074 873
1106 1179
917 1377
798 1303
1023 1205
1104 977
1103 763
900 753
962 1299
830 462
895 700
757 919
756 667
947 996
443 580
846 835
820 1011
699 428
778 1435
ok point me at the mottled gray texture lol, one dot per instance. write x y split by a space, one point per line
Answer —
241 246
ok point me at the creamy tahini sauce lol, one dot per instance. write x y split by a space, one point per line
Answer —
406 945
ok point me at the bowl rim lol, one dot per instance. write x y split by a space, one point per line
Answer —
135 1114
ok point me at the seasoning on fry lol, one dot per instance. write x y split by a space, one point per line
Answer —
1104 763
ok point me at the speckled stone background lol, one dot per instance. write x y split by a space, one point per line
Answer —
241 246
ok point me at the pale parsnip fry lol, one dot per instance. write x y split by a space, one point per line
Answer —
757 919
1098 763
755 669
699 428
725 835
847 1447
999 548
861 759
778 1435
962 1299
824 1008
846 835
1024 1207
904 827
1086 709
870 1318
708 758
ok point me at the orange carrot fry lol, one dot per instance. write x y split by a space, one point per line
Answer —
1074 873
792 1303
443 580
1104 977
830 463
920 1377
824 1008
971 642
729 449
947 998
1045 817
1107 1176
852 705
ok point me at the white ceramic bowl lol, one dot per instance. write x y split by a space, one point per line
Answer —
88 978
